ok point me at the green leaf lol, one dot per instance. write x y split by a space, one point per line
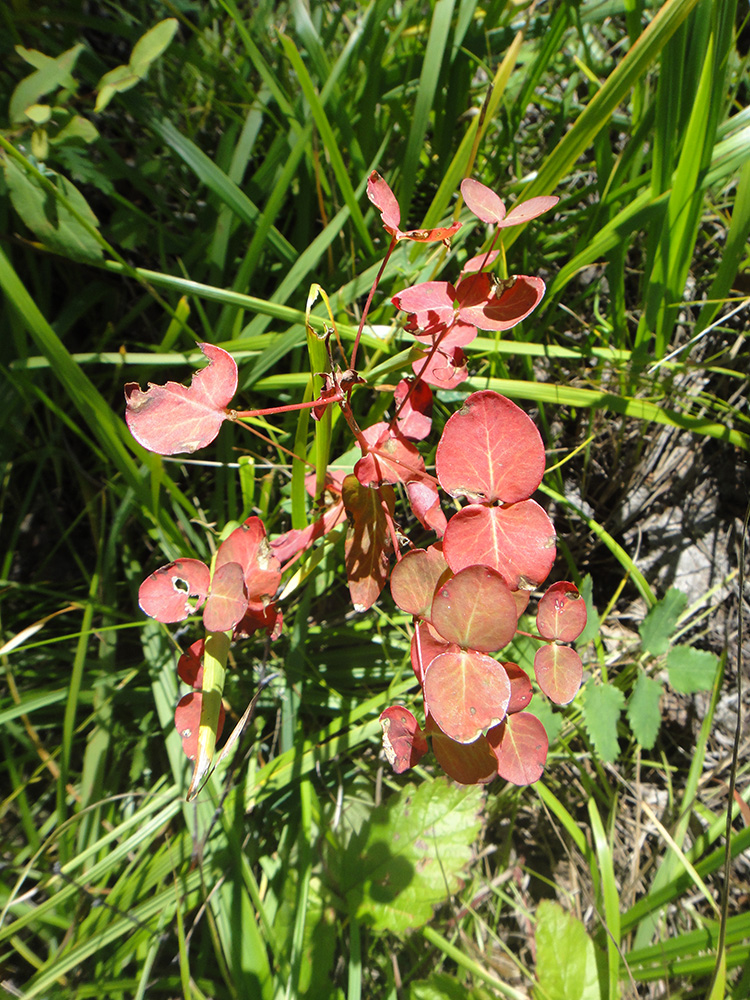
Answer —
117 81
76 128
151 45
409 857
549 718
38 113
691 670
566 959
602 704
47 218
644 714
51 74
440 986
593 621
660 622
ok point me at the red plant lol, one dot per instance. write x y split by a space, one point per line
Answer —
466 591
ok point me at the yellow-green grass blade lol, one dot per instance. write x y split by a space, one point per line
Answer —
611 899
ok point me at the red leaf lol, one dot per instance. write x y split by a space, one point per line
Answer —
260 616
296 540
466 693
415 577
490 305
490 451
524 211
187 719
475 609
368 541
444 370
384 200
520 688
248 546
468 763
170 419
424 501
561 613
558 671
227 599
517 540
404 743
413 420
480 262
176 591
425 646
430 302
482 201
520 745
190 665
391 458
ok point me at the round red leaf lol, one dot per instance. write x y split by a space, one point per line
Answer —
490 451
467 693
517 540
501 305
404 743
190 665
520 688
414 579
482 201
558 670
468 763
425 646
175 592
249 546
561 613
227 601
526 210
520 745
475 609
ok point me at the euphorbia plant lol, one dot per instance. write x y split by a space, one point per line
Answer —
465 592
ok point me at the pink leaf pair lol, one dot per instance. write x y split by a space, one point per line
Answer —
488 206
381 196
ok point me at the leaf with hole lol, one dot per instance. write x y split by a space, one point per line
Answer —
171 419
490 451
174 592
466 693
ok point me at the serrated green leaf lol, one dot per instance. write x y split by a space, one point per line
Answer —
691 670
593 621
151 45
567 964
644 713
47 218
51 74
602 705
659 623
409 856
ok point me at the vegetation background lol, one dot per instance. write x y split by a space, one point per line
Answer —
194 193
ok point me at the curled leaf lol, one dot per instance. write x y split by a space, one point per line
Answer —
404 743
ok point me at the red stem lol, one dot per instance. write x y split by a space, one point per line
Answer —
244 414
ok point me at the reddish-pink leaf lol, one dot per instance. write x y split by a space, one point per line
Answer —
176 591
480 262
497 305
391 459
260 616
368 541
424 501
443 234
475 609
444 369
227 599
413 401
524 211
430 301
187 719
248 546
482 201
517 540
468 763
558 671
466 693
296 540
425 646
490 451
381 196
521 597
190 665
404 743
415 577
561 613
520 688
171 419
520 745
